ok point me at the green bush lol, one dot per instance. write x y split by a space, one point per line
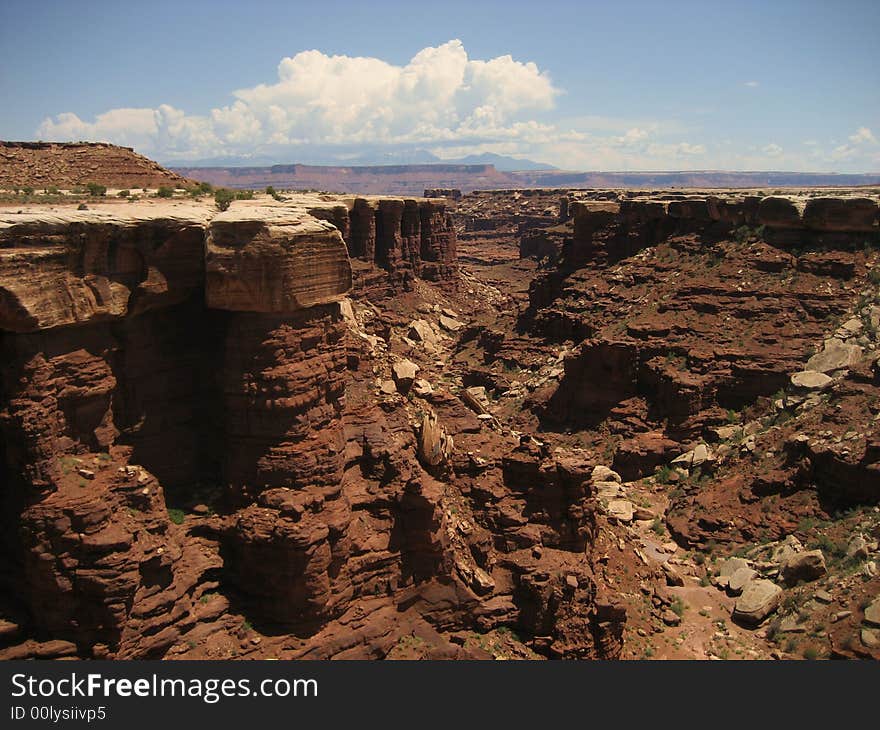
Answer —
663 474
177 516
206 188
164 192
271 191
123 193
244 195
96 190
223 197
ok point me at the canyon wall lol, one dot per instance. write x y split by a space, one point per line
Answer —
192 433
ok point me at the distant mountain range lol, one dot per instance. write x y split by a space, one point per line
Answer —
474 173
330 157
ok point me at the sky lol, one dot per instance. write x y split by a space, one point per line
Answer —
674 85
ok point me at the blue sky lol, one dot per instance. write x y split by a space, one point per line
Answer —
775 85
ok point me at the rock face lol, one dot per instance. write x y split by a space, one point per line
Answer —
81 268
129 366
191 435
273 262
410 238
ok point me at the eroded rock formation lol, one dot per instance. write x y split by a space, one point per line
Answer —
192 433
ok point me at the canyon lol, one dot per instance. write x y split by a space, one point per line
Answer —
518 424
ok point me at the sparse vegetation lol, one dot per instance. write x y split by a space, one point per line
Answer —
177 516
663 474
96 190
223 197
164 192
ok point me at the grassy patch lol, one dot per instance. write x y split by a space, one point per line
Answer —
177 516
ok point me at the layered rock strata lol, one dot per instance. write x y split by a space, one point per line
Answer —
190 433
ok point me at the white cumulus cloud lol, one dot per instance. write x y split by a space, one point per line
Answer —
863 135
440 95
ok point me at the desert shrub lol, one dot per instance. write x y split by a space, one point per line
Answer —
244 195
82 206
96 190
223 197
206 188
177 516
663 474
164 192
123 193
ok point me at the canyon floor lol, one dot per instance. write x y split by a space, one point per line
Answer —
532 424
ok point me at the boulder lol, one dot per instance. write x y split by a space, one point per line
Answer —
823 597
837 355
872 613
450 324
810 380
788 547
697 456
421 331
808 565
602 473
731 565
621 510
738 580
857 548
476 399
422 388
404 374
387 387
608 490
673 577
757 601
435 446
727 569
870 638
